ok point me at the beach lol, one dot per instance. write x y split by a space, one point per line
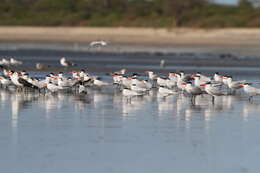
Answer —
235 41
150 36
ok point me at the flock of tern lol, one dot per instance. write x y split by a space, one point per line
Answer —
10 61
131 85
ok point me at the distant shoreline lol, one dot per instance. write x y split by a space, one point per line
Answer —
143 36
240 42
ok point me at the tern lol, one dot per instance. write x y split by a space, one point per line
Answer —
170 83
98 43
192 90
162 81
139 84
198 81
66 63
185 77
203 77
128 93
120 72
85 77
233 84
40 66
180 82
164 91
172 76
147 84
6 72
151 75
117 79
214 90
136 88
5 81
250 90
15 62
20 82
50 86
126 81
5 62
218 78
98 82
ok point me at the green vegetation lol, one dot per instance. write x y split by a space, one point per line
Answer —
145 13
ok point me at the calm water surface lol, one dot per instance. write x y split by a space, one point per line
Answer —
101 132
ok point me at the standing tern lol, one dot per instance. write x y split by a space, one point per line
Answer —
152 76
98 82
66 63
218 78
5 81
233 84
203 77
128 93
15 62
120 72
214 90
192 90
250 90
164 91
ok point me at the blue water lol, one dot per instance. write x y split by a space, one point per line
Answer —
101 132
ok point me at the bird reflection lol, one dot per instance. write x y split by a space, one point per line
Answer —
21 101
135 105
165 105
80 102
51 102
250 109
177 106
4 95
99 98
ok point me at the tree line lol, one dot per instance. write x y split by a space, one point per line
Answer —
138 13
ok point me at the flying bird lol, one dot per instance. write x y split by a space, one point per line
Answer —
98 43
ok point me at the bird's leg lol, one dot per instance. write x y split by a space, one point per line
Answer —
164 98
250 98
194 100
213 100
191 100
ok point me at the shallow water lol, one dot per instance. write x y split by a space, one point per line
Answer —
102 132
132 57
